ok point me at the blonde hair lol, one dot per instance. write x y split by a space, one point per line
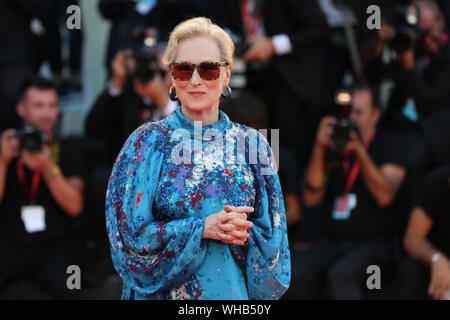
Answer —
198 27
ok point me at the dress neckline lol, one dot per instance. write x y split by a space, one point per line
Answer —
180 121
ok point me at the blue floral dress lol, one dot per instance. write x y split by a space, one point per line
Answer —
156 206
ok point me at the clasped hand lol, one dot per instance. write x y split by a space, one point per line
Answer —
229 225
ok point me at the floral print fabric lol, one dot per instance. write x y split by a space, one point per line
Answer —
156 208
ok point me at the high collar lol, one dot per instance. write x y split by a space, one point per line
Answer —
180 121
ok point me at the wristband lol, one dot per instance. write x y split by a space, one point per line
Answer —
52 173
435 257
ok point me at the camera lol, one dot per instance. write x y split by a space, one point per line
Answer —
343 127
143 65
31 138
405 22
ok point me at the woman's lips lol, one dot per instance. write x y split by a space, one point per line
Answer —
197 93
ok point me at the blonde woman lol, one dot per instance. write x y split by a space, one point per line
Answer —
185 220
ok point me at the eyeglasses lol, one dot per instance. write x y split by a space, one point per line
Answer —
206 70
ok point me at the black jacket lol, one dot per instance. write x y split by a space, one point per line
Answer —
164 17
304 69
430 88
18 44
109 123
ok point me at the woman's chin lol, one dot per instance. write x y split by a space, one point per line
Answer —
196 106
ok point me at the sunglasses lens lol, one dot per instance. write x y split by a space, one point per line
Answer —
182 71
209 71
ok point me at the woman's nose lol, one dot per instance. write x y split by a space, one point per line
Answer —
195 79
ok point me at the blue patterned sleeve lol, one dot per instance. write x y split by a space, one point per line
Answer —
151 256
268 265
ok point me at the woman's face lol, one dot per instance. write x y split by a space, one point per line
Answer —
198 94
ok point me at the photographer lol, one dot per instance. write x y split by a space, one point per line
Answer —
127 16
281 43
357 175
21 51
41 189
138 92
427 240
420 71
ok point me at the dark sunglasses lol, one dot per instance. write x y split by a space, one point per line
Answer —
206 70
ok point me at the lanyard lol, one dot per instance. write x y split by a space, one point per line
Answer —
34 182
352 173
252 24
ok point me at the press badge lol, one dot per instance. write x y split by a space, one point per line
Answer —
33 218
343 206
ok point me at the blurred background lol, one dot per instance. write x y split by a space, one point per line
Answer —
292 60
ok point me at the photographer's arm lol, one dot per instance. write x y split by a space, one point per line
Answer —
315 178
313 31
9 149
419 247
428 97
3 172
382 182
415 240
67 192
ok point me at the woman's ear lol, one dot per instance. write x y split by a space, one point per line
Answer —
228 75
229 69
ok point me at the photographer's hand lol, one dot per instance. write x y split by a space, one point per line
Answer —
324 133
315 178
385 33
354 145
119 69
155 90
38 161
261 50
440 278
9 147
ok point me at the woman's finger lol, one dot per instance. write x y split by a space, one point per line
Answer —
226 227
242 235
240 209
228 208
236 242
244 209
241 223
234 235
229 227
225 237
232 215
239 242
